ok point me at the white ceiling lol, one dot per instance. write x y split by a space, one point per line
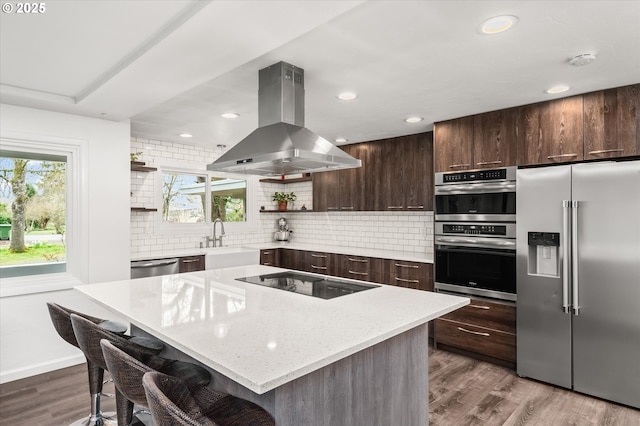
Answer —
175 66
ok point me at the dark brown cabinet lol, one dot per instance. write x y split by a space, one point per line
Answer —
483 328
358 267
292 259
396 174
551 132
317 262
416 275
494 139
453 145
191 263
270 257
612 123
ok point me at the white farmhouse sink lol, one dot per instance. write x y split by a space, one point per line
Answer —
227 257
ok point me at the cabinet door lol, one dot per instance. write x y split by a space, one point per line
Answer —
318 262
612 122
453 145
417 185
550 132
191 263
351 182
371 154
292 259
494 139
414 275
326 186
392 177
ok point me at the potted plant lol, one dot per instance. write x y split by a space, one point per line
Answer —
283 198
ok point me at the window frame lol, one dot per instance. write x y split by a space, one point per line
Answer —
77 211
204 228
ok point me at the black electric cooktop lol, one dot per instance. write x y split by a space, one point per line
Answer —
310 285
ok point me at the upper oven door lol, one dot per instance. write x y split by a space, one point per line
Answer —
486 201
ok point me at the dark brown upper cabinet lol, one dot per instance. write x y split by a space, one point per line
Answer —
453 145
612 122
494 139
550 132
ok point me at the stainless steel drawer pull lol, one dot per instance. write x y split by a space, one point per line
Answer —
479 307
394 207
323 256
407 281
358 273
318 267
484 163
266 253
347 208
358 260
474 332
332 208
605 151
415 207
551 157
402 265
266 264
455 166
189 260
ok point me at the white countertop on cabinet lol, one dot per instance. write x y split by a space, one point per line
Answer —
262 337
355 251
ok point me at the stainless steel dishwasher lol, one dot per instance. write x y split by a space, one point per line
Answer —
154 267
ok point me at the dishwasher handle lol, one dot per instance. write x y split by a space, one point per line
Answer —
153 264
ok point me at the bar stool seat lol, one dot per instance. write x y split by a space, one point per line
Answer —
61 319
127 366
173 402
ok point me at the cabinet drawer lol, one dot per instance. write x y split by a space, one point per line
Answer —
357 267
270 257
480 340
318 262
414 275
496 316
191 263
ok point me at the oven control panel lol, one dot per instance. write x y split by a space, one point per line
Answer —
483 175
505 230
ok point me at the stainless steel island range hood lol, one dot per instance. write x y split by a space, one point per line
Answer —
281 145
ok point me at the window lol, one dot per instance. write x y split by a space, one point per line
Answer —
189 198
32 213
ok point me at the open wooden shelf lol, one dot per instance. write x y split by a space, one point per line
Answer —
139 166
294 180
287 211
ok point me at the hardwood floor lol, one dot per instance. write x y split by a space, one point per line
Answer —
462 391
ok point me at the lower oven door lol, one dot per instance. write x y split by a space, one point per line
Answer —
477 266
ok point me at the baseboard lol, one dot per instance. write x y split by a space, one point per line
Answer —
45 367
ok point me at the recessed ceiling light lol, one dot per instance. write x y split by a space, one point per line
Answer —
498 24
341 140
230 115
347 96
413 119
186 135
557 89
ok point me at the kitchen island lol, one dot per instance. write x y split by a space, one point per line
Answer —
355 359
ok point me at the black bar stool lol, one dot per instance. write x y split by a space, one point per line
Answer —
173 402
127 366
61 318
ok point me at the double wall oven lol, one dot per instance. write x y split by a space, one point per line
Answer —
475 230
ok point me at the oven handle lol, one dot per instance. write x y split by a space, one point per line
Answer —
477 188
473 242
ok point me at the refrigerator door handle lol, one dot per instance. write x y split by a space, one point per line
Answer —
574 257
566 270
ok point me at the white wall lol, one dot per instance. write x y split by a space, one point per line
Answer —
28 342
401 231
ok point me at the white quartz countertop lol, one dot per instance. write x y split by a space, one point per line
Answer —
262 337
355 251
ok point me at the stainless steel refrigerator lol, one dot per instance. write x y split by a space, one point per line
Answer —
578 278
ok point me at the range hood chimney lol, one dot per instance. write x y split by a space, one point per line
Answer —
281 145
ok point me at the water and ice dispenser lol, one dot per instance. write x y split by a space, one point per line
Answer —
544 253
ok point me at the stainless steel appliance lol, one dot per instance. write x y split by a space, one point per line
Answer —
476 195
475 246
154 267
578 278
281 145
309 285
476 258
283 233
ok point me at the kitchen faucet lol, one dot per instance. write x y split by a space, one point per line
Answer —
218 239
